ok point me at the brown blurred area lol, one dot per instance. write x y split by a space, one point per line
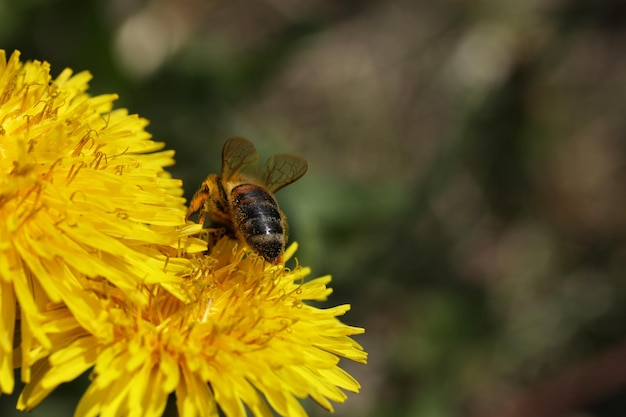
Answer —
465 187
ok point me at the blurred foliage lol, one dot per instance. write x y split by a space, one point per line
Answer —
466 173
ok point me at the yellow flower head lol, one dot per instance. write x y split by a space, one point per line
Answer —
82 195
245 340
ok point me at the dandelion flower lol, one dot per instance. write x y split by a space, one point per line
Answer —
83 194
247 340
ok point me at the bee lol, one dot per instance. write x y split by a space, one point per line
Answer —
242 199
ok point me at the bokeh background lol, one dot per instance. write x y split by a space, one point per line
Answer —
466 174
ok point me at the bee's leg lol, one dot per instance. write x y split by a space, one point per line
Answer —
203 212
199 202
215 234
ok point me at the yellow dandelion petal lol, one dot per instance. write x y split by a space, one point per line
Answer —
79 353
194 396
7 326
245 341
147 395
168 367
35 393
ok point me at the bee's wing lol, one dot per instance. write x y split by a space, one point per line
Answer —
239 157
280 170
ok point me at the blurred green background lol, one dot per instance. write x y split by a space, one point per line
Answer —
466 173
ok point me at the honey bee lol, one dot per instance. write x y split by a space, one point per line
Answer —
241 199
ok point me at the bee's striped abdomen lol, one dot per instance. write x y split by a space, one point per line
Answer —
258 218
